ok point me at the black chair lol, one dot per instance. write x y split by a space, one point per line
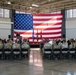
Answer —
1 53
47 53
56 53
24 52
72 53
64 53
16 54
7 53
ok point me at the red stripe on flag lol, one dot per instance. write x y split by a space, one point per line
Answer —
47 14
46 19
49 33
53 28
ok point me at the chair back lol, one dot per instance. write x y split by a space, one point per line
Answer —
64 50
72 50
56 51
47 51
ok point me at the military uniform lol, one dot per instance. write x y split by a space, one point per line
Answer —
7 45
25 46
55 46
16 46
47 46
1 45
74 45
64 45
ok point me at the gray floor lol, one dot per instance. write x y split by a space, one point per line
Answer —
36 66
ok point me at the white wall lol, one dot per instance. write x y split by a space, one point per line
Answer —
5 28
71 28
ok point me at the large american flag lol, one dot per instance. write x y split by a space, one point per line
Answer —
36 27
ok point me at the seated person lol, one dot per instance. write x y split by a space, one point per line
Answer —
47 45
64 44
8 45
74 44
56 45
25 46
16 45
1 44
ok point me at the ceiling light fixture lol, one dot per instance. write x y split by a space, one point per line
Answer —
8 2
35 5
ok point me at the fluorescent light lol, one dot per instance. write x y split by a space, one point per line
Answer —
8 2
35 5
30 7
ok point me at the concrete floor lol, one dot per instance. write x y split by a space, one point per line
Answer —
36 66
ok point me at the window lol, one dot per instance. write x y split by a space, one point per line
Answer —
1 12
74 12
4 13
71 13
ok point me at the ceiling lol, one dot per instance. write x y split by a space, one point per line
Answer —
43 5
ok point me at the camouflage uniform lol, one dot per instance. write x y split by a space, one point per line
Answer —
55 46
16 46
7 45
47 46
74 45
25 46
1 45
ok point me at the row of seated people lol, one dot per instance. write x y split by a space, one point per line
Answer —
14 44
13 48
60 45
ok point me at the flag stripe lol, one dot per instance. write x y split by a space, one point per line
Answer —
46 19
51 31
47 15
42 24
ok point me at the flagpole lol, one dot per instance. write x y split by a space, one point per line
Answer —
37 34
33 35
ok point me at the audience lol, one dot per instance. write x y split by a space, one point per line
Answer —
59 43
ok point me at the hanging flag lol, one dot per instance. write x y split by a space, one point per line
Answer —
48 26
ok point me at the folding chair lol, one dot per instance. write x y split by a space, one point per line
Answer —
7 53
16 53
47 53
72 53
1 53
64 53
56 53
24 52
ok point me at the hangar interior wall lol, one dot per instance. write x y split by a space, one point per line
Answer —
5 28
70 28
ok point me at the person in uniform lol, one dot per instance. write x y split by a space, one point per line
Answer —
15 45
25 45
47 45
56 45
64 44
8 45
1 44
